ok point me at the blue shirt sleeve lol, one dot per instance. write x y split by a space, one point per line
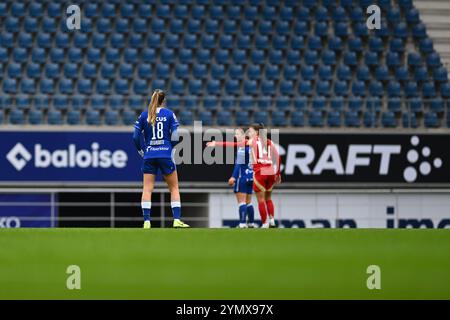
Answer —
174 124
138 128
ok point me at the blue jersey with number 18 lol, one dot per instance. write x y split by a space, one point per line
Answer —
157 138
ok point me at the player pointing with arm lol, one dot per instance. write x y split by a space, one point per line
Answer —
266 169
159 128
242 179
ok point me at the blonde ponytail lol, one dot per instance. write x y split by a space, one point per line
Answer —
157 99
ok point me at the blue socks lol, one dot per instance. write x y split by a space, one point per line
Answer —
242 212
176 209
146 207
250 213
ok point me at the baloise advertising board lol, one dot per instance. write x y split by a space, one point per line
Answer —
69 157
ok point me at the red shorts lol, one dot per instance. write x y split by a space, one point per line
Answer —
263 182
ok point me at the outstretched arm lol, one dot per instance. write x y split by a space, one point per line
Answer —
227 143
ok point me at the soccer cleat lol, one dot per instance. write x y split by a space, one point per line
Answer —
147 224
177 223
242 225
252 225
265 225
272 223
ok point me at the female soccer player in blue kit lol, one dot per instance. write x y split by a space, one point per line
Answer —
241 179
159 126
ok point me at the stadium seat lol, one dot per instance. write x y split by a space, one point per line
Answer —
54 117
224 118
431 120
17 116
352 119
388 119
93 117
316 119
35 117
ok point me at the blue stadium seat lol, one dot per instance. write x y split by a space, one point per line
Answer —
397 45
316 119
305 88
111 117
352 119
394 89
206 118
370 119
17 116
23 101
335 43
434 60
382 73
402 73
409 120
437 105
323 87
66 86
195 86
337 103
440 74
388 119
421 74
350 58
298 118
445 90
35 117
93 118
177 86
401 30
340 88
28 86
428 90
358 88
321 29
85 86
394 104
411 89
282 103
128 117
371 58
363 73
278 119
325 73
319 103
355 44
344 72
426 45
251 87
307 72
334 119
268 87
431 120
355 103
419 31
224 118
10 86
186 117
20 55
329 57
54 117
103 86
276 57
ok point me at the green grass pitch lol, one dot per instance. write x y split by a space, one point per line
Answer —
224 263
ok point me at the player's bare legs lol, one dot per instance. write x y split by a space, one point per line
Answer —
261 197
270 208
172 183
146 200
